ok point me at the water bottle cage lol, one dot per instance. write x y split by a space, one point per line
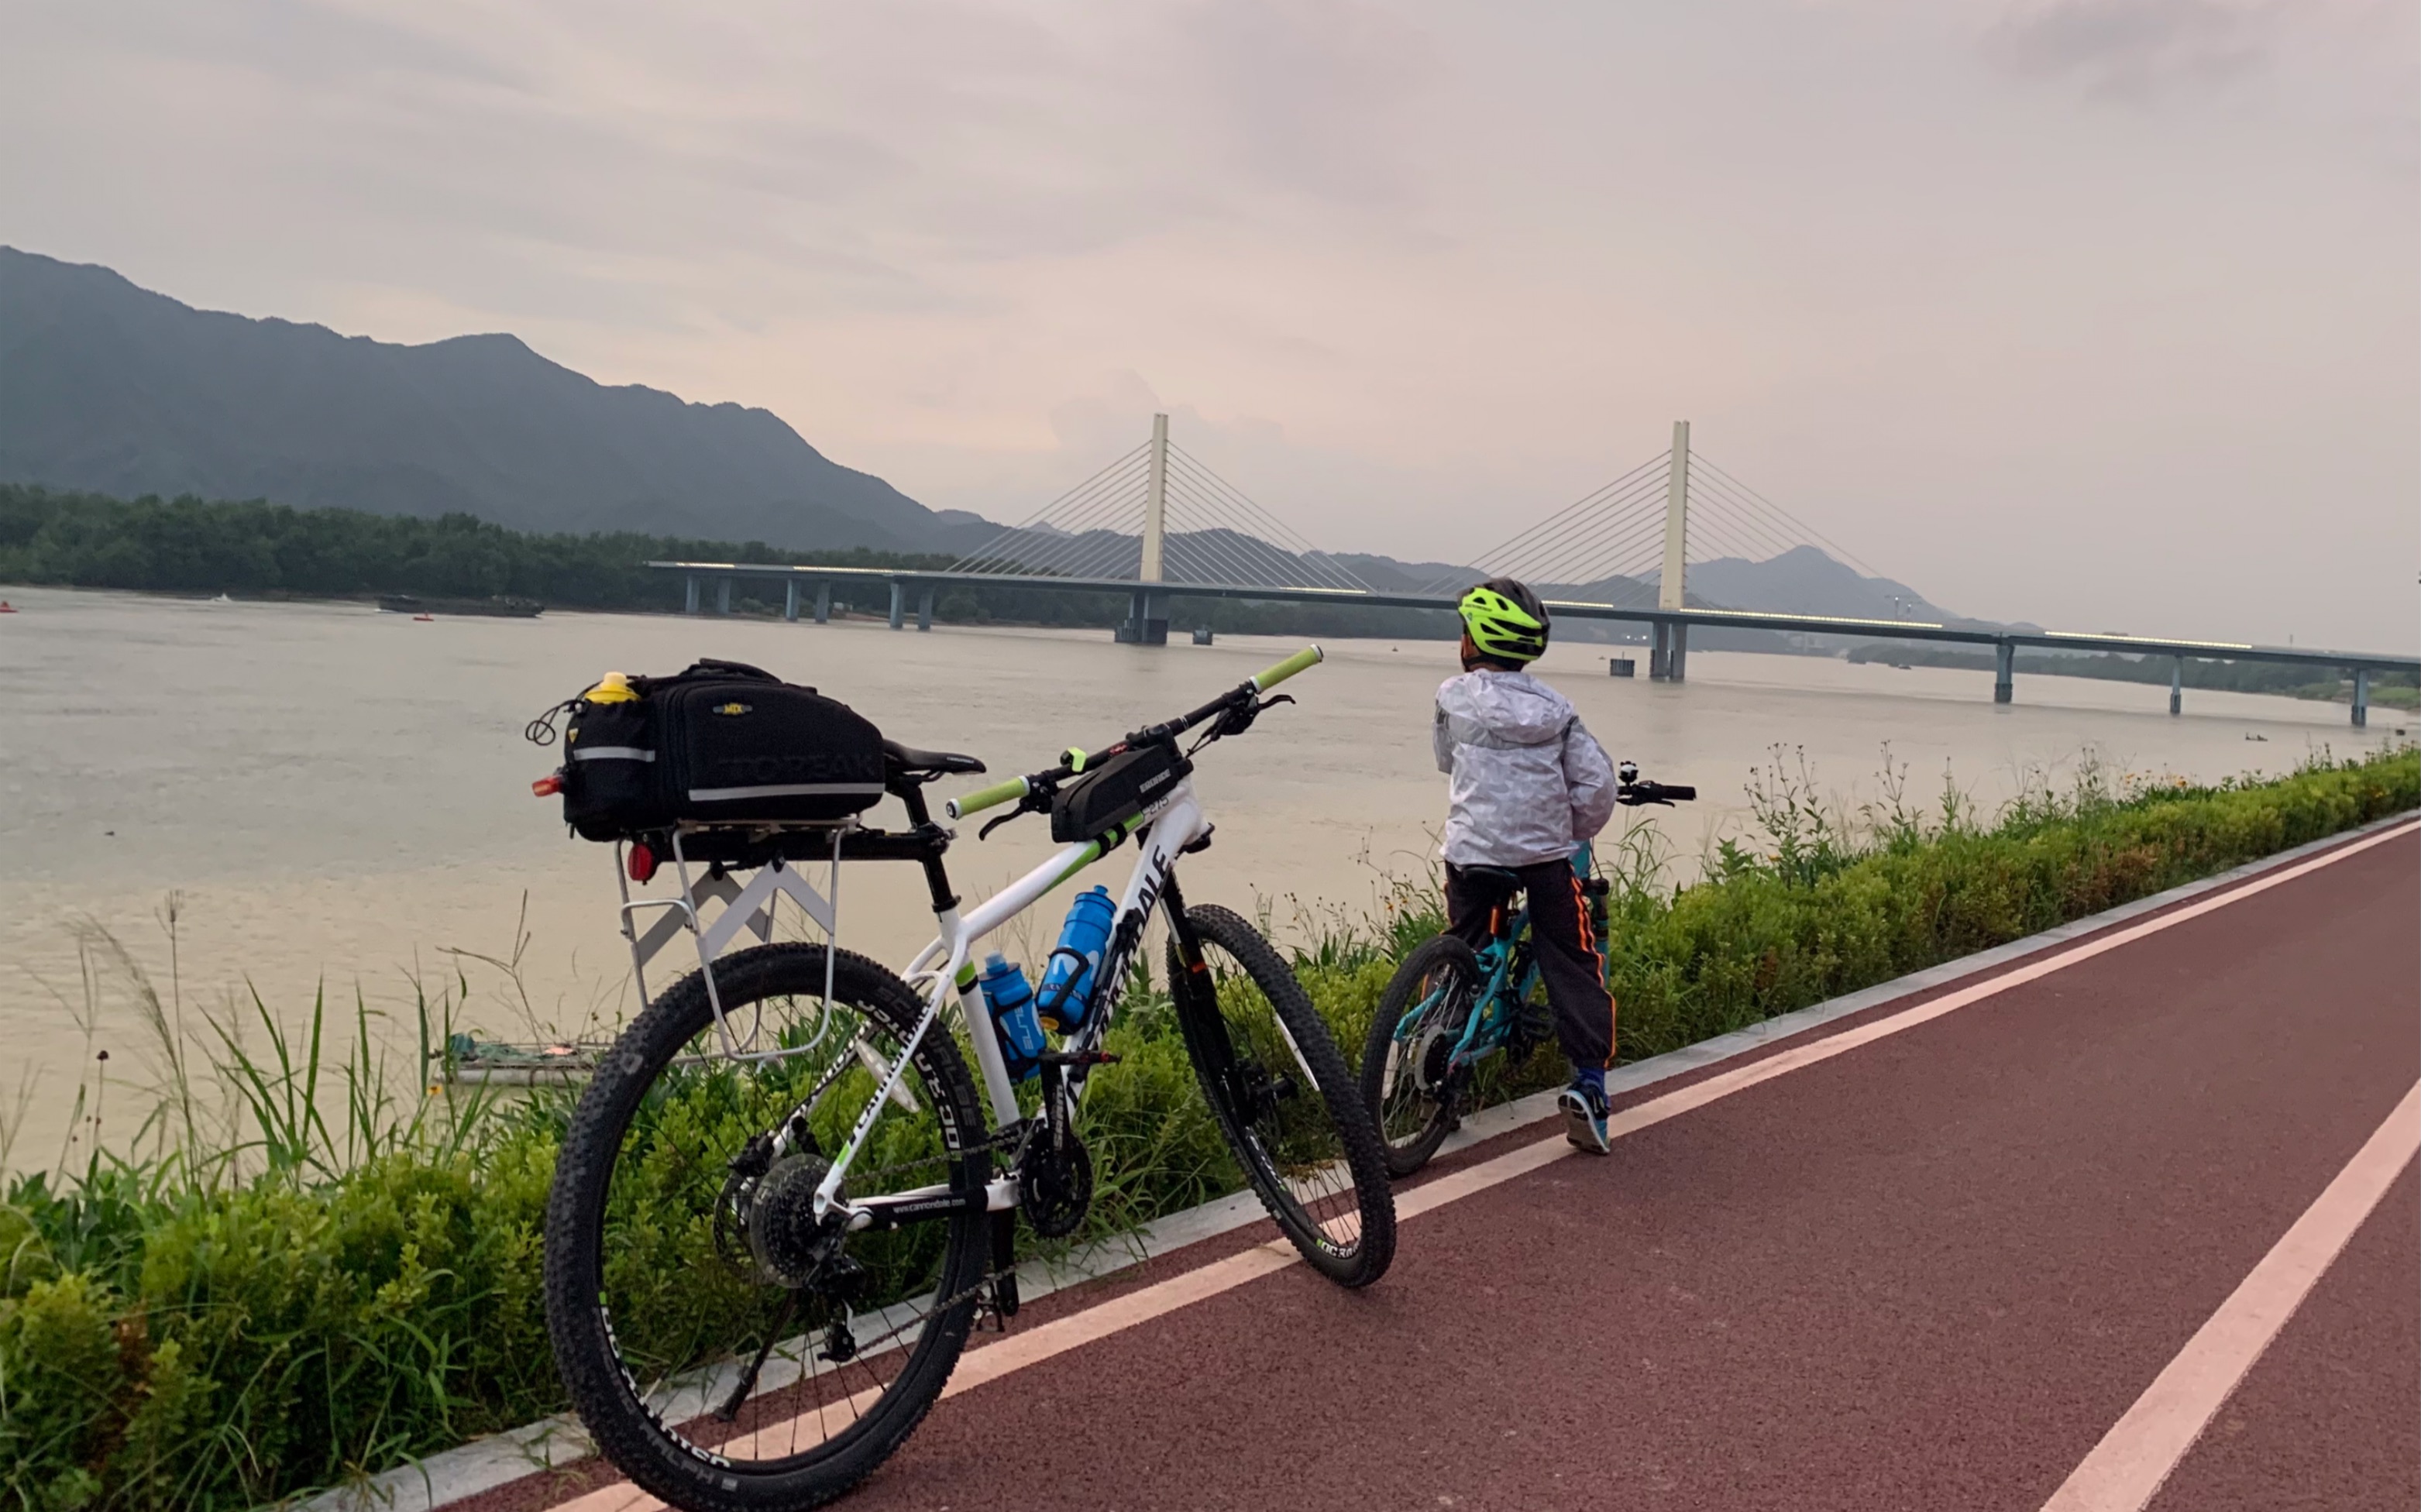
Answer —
1050 1009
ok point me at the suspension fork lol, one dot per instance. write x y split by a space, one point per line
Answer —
1197 997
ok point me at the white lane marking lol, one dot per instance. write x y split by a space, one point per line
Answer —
2128 1466
1061 1335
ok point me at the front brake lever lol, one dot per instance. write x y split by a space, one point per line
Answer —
1034 802
1238 717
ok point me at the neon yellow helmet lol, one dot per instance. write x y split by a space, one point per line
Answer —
1506 620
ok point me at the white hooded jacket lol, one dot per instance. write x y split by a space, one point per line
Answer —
1527 783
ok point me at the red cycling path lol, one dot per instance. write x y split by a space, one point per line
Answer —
1933 1270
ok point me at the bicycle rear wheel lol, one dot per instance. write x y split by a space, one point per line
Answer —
1411 1091
1282 1095
725 1350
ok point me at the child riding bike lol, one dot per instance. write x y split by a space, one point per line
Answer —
1528 785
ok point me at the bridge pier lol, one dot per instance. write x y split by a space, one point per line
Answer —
2004 663
791 600
1146 622
2362 698
823 602
689 594
925 608
1668 652
722 595
898 603
2177 685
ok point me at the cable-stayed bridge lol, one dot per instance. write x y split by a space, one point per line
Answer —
1158 524
1158 515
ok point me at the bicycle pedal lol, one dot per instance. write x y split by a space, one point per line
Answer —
1004 1299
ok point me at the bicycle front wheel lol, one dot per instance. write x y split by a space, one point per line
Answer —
726 1347
1282 1095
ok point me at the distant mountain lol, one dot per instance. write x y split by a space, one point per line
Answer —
113 389
1805 580
108 387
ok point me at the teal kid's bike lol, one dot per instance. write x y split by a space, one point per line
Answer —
1450 1010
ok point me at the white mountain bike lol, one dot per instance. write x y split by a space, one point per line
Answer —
780 1207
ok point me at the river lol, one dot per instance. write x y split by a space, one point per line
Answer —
339 798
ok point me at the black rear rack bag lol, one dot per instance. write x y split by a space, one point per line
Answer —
1114 792
721 744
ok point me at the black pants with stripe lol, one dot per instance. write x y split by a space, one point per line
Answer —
1571 957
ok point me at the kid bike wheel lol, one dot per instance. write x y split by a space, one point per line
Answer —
727 1352
1407 1083
1282 1095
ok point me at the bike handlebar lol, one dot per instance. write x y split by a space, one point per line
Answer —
1016 789
984 798
1303 660
1638 791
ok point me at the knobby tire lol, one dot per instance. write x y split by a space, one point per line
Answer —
624 1428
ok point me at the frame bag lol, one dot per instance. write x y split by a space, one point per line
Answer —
1117 792
721 744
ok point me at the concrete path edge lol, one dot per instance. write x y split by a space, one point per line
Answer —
456 1474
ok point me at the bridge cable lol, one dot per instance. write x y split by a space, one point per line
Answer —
1037 516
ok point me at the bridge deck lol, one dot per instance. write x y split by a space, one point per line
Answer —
1738 618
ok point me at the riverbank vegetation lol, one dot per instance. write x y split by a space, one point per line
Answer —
333 1269
259 550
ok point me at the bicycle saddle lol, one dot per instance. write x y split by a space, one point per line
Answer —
908 758
1496 877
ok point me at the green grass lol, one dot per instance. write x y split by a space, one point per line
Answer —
333 1269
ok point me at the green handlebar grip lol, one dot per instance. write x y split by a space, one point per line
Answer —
1302 660
984 798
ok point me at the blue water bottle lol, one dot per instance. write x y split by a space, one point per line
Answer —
1010 1002
1068 977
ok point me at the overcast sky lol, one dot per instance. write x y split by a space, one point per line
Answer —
2099 312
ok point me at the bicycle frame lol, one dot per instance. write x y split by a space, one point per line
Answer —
945 970
1485 1033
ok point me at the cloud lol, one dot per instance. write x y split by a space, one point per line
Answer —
1411 273
2130 48
2137 50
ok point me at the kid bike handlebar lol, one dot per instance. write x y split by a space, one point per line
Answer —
1637 792
1244 697
1631 790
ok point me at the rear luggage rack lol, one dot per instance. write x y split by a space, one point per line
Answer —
749 907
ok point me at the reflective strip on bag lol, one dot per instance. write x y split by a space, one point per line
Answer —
613 752
793 789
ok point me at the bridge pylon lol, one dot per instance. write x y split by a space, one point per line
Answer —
1158 515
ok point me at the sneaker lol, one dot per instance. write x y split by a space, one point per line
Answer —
1585 1117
